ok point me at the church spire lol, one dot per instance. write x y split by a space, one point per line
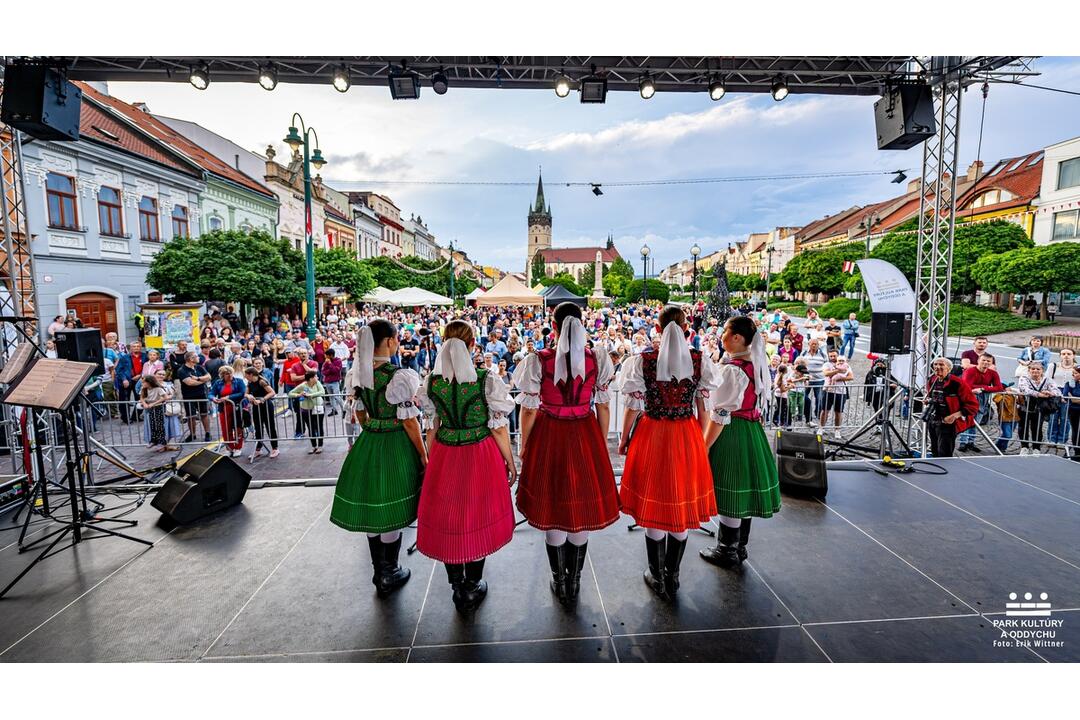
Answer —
538 206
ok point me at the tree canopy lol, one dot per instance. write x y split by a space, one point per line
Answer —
338 267
1044 269
566 280
657 290
820 271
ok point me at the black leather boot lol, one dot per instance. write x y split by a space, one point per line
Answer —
744 537
672 561
654 574
557 560
724 554
473 587
455 575
391 575
575 563
376 547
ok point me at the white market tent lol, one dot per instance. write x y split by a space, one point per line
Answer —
476 293
378 295
510 291
415 296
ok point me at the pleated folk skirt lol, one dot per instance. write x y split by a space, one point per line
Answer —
667 483
465 510
378 488
744 471
566 478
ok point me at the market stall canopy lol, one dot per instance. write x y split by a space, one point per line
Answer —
510 291
377 295
558 294
415 296
476 293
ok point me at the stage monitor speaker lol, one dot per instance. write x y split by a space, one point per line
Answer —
40 102
81 345
800 459
890 333
904 117
204 484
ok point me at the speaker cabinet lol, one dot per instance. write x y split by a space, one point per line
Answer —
904 117
204 484
800 459
40 102
81 345
890 333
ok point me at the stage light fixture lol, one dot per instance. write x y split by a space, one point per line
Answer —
779 88
646 87
593 89
199 76
901 176
341 79
596 189
404 85
562 86
439 83
716 90
268 77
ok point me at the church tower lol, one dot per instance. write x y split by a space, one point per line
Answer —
539 229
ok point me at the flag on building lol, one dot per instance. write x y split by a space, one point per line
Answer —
849 266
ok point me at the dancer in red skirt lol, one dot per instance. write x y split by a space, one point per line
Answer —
667 485
465 512
567 487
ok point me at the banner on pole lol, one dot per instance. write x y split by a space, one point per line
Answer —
888 290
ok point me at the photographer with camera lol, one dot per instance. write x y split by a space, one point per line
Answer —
950 410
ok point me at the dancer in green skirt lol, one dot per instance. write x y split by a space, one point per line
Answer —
378 488
743 464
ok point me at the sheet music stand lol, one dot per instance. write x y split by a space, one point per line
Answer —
55 385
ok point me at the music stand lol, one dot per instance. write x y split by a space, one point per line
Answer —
56 385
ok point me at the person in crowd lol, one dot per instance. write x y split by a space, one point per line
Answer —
495 345
297 341
772 340
1059 372
153 363
1030 306
331 378
227 392
277 360
1033 354
814 326
567 487
312 398
56 325
1071 395
782 386
260 396
465 512
378 488
744 473
1051 310
798 399
787 353
878 385
837 374
193 379
127 372
1008 411
970 357
833 333
410 348
152 399
214 362
174 360
984 381
850 330
951 408
814 358
1041 400
667 481
295 373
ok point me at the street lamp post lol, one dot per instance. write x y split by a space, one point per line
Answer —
645 274
451 274
311 157
694 252
768 273
868 224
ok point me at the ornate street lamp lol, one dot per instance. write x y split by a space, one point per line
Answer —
644 273
694 252
311 157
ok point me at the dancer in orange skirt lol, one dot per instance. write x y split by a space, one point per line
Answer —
667 484
567 487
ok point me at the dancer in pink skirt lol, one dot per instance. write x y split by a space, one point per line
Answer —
465 511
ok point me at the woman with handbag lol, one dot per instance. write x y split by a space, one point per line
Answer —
174 430
1041 399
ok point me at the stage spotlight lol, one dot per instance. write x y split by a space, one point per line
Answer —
341 79
593 89
779 88
199 77
900 177
439 83
268 77
562 86
596 189
646 87
716 90
404 85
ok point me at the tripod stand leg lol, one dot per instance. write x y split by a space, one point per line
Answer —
119 534
59 536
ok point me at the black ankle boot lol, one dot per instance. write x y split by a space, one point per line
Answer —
557 560
744 537
724 554
455 575
473 587
654 574
391 575
376 547
672 560
575 563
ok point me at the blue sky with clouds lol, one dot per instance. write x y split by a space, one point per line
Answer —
485 135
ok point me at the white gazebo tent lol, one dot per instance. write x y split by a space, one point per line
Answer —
475 294
415 296
378 295
510 291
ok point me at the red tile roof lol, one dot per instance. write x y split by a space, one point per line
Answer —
334 213
579 254
1023 183
150 125
97 125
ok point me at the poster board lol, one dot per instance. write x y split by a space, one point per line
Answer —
166 324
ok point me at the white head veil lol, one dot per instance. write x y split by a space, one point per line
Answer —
572 341
762 378
674 362
454 362
362 372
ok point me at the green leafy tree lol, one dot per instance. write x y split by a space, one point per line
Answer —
539 269
588 277
566 280
338 267
657 290
248 268
1044 269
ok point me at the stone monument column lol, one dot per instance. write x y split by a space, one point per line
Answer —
598 285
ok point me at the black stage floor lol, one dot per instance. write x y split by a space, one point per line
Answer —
901 568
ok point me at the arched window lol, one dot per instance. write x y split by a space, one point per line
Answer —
215 223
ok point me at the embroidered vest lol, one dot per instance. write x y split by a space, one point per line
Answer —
748 409
462 409
571 398
669 400
382 414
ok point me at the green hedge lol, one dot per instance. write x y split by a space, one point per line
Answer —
795 306
841 307
968 320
